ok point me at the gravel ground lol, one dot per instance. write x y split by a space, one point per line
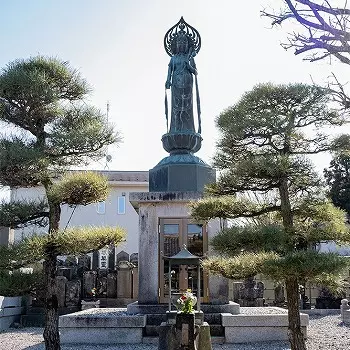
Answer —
324 332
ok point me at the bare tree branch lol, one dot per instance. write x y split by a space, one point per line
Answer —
324 32
331 35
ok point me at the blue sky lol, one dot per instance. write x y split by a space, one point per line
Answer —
117 45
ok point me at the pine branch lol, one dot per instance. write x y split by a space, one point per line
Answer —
229 207
18 214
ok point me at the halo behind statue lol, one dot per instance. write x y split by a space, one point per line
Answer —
182 28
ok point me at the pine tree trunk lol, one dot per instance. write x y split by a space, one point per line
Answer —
51 331
296 336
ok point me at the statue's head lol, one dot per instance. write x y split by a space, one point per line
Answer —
180 44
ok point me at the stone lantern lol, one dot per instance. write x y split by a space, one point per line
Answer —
184 257
184 331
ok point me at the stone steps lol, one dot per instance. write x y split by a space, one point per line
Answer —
151 331
115 302
212 318
155 319
155 340
217 330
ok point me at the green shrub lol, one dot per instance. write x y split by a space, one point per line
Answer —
18 283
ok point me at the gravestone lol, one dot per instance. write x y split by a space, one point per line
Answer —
280 299
66 272
251 293
111 258
112 285
61 290
124 280
134 259
95 260
326 300
236 286
101 286
122 256
73 289
89 282
84 264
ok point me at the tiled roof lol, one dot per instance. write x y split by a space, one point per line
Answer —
134 176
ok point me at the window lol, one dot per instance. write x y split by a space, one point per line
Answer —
171 229
101 207
121 205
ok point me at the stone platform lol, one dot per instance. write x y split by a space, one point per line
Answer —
10 311
102 326
119 326
257 324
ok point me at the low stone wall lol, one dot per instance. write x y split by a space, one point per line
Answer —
10 311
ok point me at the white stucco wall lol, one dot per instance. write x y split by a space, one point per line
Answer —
330 246
88 215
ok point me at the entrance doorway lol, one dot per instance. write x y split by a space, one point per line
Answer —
173 234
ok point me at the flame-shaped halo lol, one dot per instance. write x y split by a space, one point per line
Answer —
181 27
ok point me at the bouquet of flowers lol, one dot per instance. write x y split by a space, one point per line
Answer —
186 302
93 292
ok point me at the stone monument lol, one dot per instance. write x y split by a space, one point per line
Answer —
164 226
180 177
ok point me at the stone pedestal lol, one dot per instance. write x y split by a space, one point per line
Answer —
154 205
180 172
345 311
